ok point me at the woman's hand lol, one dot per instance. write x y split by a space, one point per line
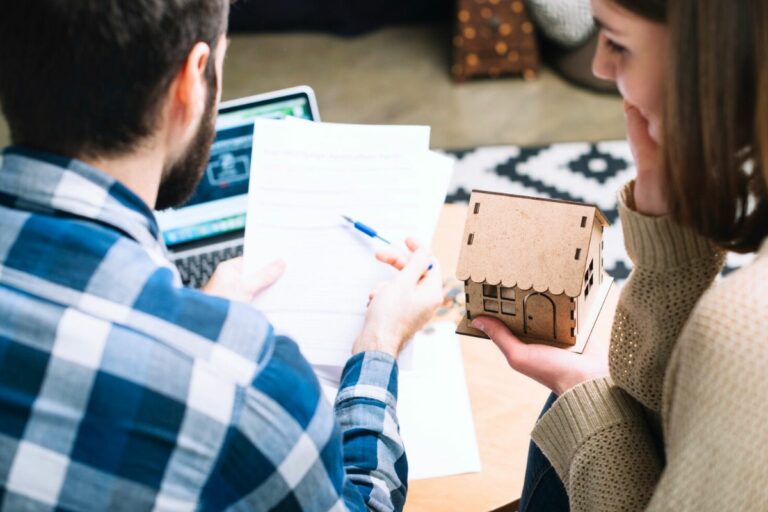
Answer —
230 282
649 192
556 368
402 306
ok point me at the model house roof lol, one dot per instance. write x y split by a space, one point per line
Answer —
527 242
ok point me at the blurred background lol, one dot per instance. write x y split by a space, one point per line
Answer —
390 62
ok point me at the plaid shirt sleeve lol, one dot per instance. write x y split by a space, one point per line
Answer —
350 458
366 410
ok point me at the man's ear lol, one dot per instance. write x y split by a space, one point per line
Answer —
188 92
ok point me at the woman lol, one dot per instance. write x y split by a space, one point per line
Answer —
678 419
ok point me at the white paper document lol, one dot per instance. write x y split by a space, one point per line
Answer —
434 409
304 177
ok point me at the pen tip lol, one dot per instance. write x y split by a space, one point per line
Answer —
347 219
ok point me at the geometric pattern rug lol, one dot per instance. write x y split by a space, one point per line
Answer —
584 172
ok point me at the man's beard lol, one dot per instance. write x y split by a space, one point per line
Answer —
181 177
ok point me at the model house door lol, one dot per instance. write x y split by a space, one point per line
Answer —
540 317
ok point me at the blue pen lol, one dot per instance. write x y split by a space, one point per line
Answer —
371 232
365 229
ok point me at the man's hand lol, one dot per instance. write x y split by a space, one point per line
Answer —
230 282
650 198
556 368
399 308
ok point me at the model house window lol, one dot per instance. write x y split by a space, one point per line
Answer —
499 299
589 278
491 306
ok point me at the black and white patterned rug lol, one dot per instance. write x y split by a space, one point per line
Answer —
584 172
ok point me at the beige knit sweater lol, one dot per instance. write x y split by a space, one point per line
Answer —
682 423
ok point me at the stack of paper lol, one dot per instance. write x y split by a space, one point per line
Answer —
434 409
304 177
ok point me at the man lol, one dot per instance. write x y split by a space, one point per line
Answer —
119 388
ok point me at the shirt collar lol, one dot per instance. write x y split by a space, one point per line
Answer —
38 181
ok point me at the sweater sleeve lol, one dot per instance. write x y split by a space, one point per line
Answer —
597 440
673 266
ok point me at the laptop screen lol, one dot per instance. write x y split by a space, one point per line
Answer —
219 203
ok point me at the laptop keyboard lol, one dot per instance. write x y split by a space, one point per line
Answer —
196 270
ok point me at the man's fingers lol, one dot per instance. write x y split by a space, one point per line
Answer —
392 258
265 277
397 259
225 272
231 267
377 290
412 244
432 277
231 282
417 266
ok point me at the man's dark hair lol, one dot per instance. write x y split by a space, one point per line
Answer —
87 77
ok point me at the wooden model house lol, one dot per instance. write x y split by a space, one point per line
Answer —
536 264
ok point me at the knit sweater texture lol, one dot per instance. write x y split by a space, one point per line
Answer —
682 422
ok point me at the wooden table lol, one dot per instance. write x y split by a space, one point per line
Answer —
505 406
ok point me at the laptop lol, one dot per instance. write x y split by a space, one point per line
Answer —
210 227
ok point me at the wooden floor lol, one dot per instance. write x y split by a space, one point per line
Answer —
400 75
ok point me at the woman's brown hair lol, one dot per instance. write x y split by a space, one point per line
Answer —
654 10
716 116
715 141
761 21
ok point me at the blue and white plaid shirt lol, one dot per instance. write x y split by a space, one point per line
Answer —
122 390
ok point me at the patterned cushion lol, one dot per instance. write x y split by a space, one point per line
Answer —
566 22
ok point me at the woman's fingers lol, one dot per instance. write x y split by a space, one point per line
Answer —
513 349
649 190
637 132
555 368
